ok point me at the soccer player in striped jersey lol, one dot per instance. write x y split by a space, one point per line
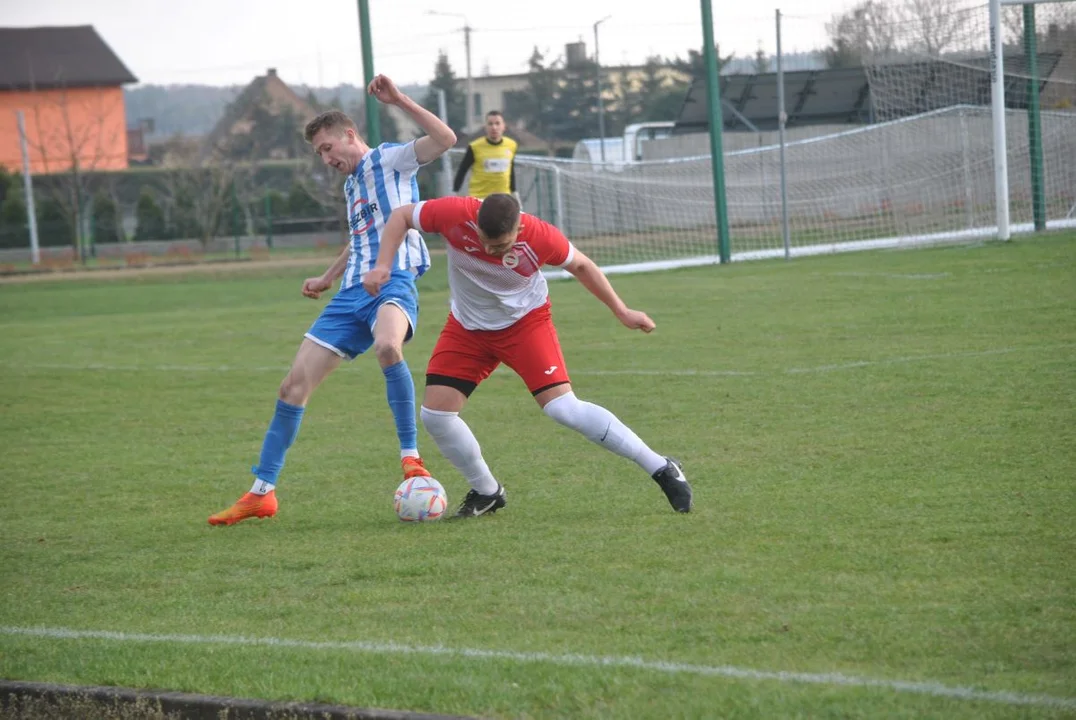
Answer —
378 180
500 313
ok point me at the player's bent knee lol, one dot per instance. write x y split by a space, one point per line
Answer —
293 390
563 409
388 352
436 422
570 411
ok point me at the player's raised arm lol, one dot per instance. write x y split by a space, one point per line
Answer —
593 279
438 138
391 239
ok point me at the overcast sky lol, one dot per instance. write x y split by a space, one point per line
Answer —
224 42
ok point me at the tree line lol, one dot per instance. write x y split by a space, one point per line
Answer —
560 102
211 189
181 205
881 30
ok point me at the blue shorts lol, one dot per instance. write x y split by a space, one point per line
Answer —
346 325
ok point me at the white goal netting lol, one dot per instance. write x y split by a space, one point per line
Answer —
923 172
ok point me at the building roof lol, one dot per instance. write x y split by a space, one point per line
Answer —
750 101
850 95
267 92
41 58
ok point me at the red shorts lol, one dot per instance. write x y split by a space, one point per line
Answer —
530 347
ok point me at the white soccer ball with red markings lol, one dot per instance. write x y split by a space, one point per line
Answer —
420 499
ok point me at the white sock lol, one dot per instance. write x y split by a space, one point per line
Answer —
603 428
457 443
409 452
262 488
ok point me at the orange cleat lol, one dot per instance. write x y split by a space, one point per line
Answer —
413 467
248 506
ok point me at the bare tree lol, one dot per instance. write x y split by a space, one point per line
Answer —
200 193
762 61
933 27
325 189
1012 23
1061 14
1052 21
76 135
864 33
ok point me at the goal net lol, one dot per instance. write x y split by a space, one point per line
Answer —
936 57
921 172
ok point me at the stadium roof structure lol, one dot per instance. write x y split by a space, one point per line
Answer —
44 58
749 102
844 95
930 85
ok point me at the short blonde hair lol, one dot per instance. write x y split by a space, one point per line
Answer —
328 120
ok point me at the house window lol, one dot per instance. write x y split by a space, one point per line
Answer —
478 105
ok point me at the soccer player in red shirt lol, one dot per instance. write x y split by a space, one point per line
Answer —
500 313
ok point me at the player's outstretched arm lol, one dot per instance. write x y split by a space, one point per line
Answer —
391 239
438 138
593 279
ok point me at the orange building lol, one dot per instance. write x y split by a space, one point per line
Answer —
68 84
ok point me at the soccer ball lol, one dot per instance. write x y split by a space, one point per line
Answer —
420 499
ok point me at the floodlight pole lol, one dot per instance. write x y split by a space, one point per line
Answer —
717 155
469 106
28 187
446 163
601 101
470 78
373 119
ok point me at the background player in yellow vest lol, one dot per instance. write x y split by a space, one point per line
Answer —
491 160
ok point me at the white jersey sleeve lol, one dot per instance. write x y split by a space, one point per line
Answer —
400 157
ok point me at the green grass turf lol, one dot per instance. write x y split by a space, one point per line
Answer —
881 445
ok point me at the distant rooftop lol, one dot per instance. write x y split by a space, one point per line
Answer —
42 58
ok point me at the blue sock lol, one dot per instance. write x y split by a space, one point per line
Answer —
281 434
400 388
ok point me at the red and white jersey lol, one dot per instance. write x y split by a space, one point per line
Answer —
490 292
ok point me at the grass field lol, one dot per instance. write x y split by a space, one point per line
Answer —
883 448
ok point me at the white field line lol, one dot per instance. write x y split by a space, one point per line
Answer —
591 661
672 372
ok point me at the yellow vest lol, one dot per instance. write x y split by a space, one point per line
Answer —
492 169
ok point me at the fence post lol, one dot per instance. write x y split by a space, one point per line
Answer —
268 220
235 218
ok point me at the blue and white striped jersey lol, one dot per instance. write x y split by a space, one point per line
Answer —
383 181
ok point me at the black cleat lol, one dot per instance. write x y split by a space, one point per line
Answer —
475 504
673 483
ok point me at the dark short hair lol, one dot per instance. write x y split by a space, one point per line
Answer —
328 120
497 215
495 113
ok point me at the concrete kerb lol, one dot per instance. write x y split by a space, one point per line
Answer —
20 700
